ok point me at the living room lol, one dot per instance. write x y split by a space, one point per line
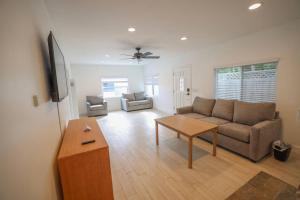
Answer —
169 78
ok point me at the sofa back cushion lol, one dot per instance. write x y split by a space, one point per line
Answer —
223 109
139 96
203 106
130 97
94 100
252 113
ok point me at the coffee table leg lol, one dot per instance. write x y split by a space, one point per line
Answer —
156 130
178 135
190 152
215 141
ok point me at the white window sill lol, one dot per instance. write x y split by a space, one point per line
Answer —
111 97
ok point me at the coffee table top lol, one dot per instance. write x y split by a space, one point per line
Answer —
186 125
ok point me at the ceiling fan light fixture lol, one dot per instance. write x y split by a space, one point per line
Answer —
183 38
255 5
139 56
131 29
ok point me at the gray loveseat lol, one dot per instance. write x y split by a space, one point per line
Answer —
135 101
245 128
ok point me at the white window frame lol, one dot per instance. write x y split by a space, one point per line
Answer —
152 81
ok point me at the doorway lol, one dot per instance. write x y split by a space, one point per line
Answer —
182 84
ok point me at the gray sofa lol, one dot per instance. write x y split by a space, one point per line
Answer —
245 128
135 101
96 106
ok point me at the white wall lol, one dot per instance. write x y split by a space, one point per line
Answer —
87 79
279 42
30 135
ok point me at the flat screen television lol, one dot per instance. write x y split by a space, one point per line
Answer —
59 85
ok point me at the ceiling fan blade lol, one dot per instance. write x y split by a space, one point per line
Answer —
147 53
151 57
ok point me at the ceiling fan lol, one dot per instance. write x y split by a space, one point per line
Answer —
139 56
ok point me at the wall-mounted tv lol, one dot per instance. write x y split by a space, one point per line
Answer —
59 88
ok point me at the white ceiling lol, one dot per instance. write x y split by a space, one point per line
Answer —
89 29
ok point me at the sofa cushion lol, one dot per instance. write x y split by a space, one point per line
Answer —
137 103
252 113
239 132
215 120
223 109
94 100
139 96
130 97
203 106
194 115
97 107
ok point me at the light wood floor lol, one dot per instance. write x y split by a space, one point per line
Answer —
141 170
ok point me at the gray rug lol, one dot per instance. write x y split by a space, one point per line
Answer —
265 187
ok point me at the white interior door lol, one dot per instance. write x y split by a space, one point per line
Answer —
182 83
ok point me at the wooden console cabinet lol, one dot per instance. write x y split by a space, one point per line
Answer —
85 169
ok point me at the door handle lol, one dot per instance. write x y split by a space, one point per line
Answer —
188 91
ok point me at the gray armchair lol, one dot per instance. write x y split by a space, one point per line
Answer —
96 106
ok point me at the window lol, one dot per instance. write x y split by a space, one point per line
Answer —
181 84
151 85
114 87
251 83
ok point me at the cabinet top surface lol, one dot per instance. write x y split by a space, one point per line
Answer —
75 135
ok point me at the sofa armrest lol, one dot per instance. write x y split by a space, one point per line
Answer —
149 98
124 104
105 104
183 110
262 135
88 105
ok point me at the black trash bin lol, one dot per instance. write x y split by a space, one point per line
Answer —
281 150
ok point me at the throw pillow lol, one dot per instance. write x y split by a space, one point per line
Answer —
203 106
252 113
139 96
130 97
223 109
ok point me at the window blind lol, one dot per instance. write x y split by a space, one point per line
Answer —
151 85
251 83
114 87
228 83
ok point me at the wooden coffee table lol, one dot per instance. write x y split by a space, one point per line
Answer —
188 127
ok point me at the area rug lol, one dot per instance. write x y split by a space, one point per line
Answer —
265 187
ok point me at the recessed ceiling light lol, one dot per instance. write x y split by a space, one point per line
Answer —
255 6
107 56
183 38
131 29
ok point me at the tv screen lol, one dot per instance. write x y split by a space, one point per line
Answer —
58 71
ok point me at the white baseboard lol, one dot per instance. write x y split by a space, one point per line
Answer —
161 111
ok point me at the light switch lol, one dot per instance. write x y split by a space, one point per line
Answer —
35 100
